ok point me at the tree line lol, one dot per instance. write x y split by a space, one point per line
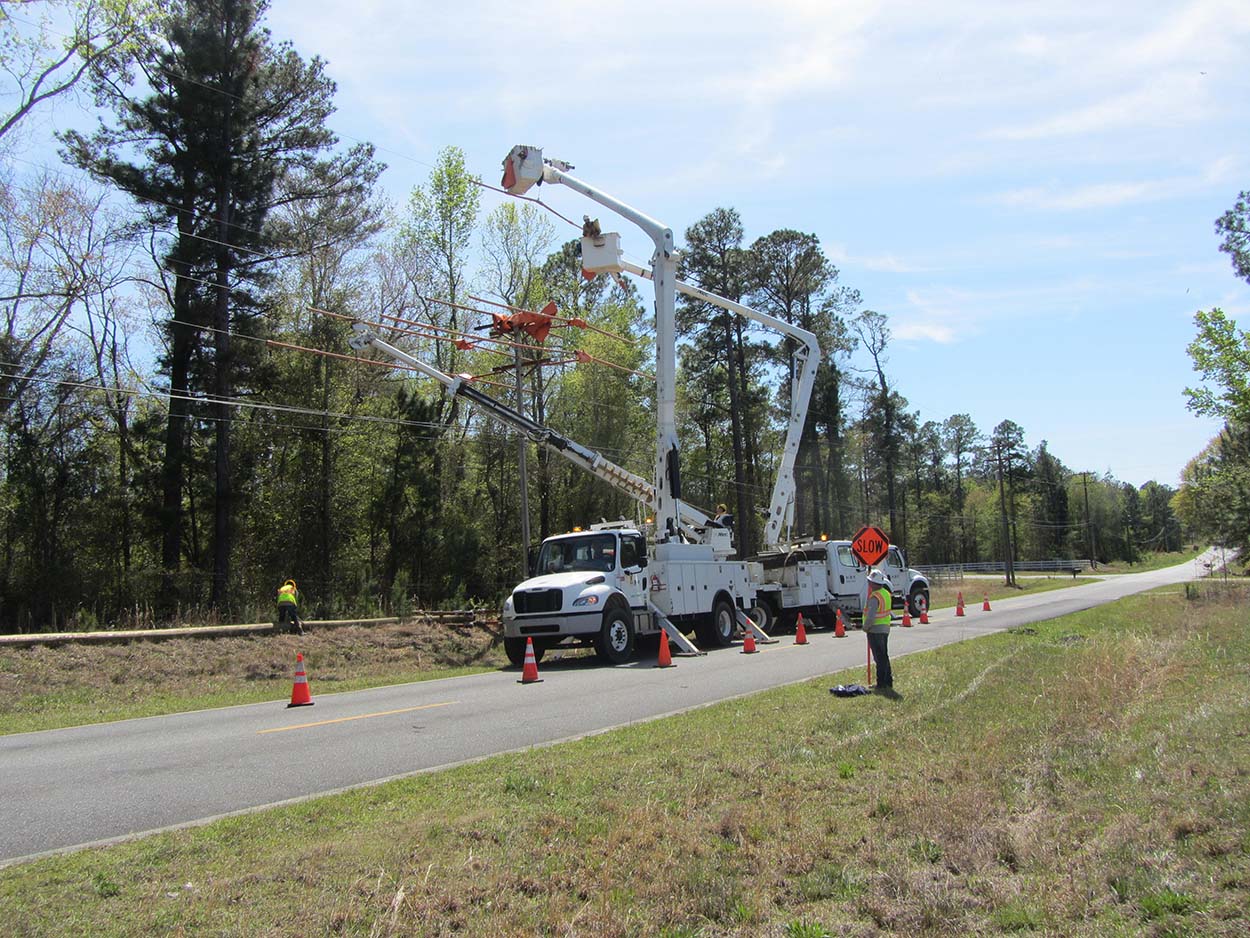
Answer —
183 423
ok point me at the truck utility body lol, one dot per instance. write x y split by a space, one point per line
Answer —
819 578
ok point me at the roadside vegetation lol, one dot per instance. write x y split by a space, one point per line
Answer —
1106 793
68 685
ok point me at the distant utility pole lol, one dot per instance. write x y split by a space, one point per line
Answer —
1002 502
1089 530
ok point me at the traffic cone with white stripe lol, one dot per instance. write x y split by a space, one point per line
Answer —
800 633
839 630
924 615
301 696
985 605
959 603
906 623
529 672
748 642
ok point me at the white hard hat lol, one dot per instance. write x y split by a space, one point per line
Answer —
876 576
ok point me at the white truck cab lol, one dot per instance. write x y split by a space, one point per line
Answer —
590 584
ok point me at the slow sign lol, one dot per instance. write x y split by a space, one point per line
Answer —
870 545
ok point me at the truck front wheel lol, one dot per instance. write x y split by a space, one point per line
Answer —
615 641
918 601
515 649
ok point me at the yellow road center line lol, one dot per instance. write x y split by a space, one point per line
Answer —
363 716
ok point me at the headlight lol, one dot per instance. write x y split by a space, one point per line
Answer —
586 601
507 604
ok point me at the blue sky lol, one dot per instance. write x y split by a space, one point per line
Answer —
1028 191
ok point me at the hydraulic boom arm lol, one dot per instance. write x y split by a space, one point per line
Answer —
622 479
806 360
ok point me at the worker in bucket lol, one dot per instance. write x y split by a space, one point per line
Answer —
288 607
723 516
877 628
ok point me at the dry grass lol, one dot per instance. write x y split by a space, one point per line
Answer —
1089 779
45 687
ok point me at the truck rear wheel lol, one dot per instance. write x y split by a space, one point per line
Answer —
717 630
615 641
762 615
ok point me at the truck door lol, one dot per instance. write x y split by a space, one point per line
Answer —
634 570
896 570
849 580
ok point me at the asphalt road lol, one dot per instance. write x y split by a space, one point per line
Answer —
69 788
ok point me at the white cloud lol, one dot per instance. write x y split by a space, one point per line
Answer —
882 263
1101 195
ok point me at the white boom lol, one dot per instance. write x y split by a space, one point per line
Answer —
525 167
806 360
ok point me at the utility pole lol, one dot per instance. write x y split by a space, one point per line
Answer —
1002 503
523 445
1089 529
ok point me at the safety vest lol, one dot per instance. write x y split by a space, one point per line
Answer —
884 602
287 594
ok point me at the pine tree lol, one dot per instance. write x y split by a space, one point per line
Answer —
216 145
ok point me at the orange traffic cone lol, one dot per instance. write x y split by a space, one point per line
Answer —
906 623
924 615
748 642
529 673
985 606
665 660
959 603
300 695
839 631
800 633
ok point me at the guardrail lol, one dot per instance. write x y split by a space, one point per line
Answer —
943 572
29 639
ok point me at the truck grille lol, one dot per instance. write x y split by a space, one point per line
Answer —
537 600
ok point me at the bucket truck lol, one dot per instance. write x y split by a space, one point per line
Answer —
610 585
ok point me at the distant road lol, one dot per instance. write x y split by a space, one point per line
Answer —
87 785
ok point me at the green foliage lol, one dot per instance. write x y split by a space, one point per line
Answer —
1221 354
801 928
1215 492
1234 225
1165 902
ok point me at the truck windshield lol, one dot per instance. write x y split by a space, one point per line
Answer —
595 552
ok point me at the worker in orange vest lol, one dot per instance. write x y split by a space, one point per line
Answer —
288 607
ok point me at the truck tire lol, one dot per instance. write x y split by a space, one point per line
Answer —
717 630
918 600
515 649
762 615
615 641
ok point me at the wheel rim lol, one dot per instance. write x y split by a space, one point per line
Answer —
921 602
618 636
724 622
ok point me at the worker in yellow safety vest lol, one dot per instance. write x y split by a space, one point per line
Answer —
288 607
877 628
